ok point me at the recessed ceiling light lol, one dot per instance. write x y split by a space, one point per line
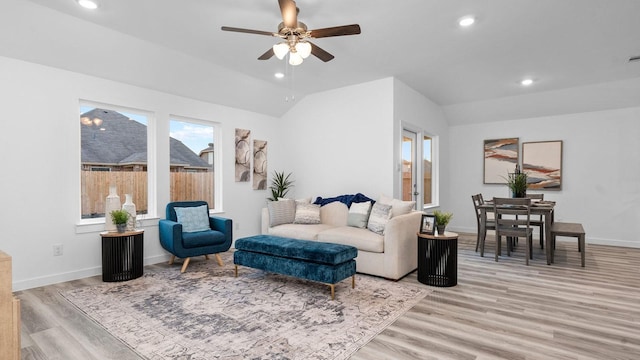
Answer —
278 75
88 4
466 21
526 82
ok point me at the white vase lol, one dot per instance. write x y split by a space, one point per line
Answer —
130 207
112 203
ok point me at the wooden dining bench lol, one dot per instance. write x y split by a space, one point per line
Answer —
568 229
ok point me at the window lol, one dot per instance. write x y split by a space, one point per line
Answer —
113 147
192 160
413 170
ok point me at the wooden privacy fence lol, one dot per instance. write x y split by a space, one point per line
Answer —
184 186
407 188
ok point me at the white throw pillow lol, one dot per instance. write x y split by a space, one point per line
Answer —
281 212
399 207
359 214
380 215
193 218
307 214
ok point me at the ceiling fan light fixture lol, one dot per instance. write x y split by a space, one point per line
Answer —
303 49
295 59
280 50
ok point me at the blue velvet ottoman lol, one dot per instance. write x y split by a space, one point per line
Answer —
311 260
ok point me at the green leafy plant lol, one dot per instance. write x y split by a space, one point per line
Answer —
280 185
517 183
442 218
119 216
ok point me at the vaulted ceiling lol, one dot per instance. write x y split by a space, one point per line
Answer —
178 47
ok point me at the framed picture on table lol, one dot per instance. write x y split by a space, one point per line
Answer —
428 224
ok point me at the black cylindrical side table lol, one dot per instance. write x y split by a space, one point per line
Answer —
438 259
122 255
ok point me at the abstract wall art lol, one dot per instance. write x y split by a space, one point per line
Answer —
542 161
500 158
259 165
243 155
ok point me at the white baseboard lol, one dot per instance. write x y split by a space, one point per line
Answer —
74 275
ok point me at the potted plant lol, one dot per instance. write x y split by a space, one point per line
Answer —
517 183
442 219
280 185
120 218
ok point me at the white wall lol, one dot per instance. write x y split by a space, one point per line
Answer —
413 109
39 140
600 175
340 142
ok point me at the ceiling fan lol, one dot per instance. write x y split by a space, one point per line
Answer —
296 36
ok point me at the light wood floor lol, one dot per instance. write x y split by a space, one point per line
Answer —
502 310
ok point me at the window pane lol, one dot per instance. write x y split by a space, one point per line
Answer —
113 150
408 183
191 161
426 170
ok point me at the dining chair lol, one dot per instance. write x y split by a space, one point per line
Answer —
489 223
512 217
538 220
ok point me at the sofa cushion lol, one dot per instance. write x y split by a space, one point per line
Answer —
398 207
380 215
335 213
281 212
362 239
307 214
299 231
193 218
359 214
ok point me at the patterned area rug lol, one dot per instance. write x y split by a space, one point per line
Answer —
207 313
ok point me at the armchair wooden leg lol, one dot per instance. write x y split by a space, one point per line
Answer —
206 256
173 258
219 259
185 264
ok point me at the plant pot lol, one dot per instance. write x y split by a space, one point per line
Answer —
121 227
440 229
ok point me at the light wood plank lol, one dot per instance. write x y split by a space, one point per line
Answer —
503 310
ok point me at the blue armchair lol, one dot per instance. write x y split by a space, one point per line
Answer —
214 239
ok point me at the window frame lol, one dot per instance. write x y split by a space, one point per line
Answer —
97 224
419 154
217 156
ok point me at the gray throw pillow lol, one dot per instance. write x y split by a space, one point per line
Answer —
281 212
359 214
380 215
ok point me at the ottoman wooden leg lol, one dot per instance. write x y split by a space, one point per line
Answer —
353 282
333 291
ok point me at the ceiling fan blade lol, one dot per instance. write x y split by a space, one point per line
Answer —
289 13
336 31
247 31
267 55
320 53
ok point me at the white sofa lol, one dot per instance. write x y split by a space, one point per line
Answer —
392 255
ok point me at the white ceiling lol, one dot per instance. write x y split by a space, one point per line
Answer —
560 43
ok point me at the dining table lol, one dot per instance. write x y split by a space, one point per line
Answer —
543 208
